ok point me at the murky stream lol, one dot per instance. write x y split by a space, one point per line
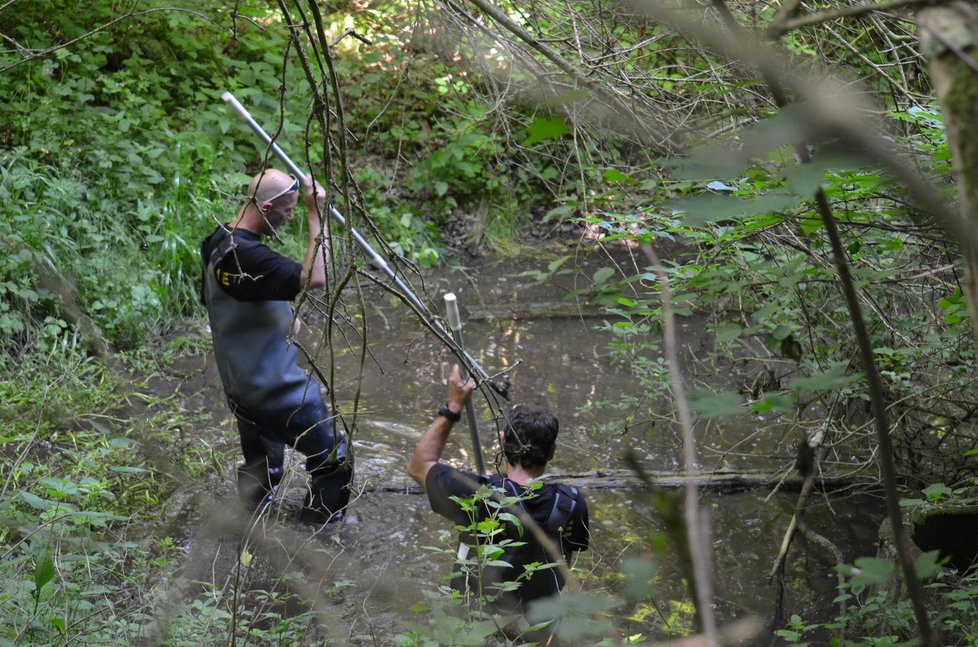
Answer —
556 353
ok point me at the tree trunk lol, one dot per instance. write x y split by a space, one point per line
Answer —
949 41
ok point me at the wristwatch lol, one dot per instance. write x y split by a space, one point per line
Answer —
445 412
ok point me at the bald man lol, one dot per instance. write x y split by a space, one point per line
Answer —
247 289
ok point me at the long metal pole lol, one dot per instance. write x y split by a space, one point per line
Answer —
455 323
374 257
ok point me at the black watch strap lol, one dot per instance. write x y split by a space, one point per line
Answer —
445 412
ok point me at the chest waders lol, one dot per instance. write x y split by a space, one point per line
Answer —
274 400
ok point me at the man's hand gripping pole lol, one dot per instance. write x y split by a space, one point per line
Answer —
455 323
376 259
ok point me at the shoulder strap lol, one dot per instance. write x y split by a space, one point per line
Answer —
565 502
223 247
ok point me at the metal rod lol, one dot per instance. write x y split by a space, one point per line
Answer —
375 258
455 323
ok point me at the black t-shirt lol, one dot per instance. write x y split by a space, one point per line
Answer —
251 271
444 482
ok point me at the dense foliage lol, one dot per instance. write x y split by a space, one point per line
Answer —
117 154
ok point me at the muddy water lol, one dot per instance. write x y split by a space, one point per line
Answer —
555 352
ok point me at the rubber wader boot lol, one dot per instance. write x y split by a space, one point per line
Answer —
329 493
256 484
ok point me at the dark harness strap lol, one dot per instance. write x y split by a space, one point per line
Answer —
565 502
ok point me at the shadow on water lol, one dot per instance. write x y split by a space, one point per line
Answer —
369 573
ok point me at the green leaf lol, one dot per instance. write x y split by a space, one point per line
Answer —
603 274
558 212
35 501
727 332
555 265
784 128
772 402
614 175
828 381
126 469
937 491
805 179
781 332
707 208
513 519
716 405
927 564
867 571
43 572
542 129
707 164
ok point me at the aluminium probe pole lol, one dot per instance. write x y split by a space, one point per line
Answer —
455 323
374 257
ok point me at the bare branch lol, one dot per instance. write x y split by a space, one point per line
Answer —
779 28
696 522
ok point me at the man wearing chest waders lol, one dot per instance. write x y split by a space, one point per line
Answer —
247 289
528 439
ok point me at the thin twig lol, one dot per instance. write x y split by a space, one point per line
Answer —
779 29
696 525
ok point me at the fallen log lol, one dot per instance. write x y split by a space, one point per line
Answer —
539 310
720 481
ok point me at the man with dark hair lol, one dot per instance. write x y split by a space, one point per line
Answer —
528 440
247 289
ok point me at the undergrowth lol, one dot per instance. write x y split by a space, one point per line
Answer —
117 156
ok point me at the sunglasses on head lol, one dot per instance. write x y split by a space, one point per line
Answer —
291 189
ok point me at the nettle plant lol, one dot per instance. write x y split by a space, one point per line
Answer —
487 533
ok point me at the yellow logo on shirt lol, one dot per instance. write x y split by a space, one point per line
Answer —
223 278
